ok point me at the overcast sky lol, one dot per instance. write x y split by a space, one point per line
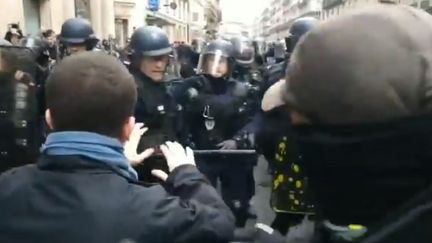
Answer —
242 10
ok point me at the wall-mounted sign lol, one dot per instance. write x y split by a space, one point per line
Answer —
153 5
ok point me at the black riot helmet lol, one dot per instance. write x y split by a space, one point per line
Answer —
298 29
215 54
243 50
149 41
77 31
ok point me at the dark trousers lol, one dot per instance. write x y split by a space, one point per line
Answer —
234 174
283 221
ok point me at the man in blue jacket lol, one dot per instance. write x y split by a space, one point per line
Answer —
83 188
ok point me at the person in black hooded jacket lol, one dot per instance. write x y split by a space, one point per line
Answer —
362 127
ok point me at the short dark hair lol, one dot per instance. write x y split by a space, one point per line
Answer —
91 92
48 33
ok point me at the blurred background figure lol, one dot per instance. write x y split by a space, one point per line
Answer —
50 37
187 60
14 34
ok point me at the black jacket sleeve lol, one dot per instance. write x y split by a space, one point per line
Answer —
191 209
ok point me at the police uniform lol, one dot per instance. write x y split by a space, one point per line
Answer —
155 107
246 71
217 111
76 31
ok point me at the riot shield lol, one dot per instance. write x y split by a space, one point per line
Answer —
19 139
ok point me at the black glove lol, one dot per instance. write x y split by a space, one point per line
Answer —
196 82
245 141
228 145
241 90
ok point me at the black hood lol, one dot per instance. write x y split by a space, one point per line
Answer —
362 172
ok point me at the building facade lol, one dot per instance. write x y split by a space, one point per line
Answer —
116 18
172 16
229 29
109 18
332 8
276 19
213 18
187 20
197 20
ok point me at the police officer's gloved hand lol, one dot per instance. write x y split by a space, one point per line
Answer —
229 144
175 156
245 141
130 147
241 90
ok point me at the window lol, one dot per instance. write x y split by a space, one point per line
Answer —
195 17
82 9
179 8
166 9
31 17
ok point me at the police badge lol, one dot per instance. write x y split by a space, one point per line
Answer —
209 121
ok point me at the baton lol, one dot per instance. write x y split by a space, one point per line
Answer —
228 151
218 152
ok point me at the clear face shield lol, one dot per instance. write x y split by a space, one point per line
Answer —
214 64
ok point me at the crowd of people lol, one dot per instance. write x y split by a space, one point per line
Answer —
159 143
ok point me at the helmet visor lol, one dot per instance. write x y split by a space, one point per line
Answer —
214 64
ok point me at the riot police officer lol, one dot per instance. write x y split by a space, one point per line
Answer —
299 27
187 60
260 50
77 36
217 111
245 66
150 52
246 70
